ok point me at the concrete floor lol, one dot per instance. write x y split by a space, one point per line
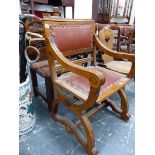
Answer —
113 136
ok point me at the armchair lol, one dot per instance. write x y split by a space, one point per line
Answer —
106 36
91 85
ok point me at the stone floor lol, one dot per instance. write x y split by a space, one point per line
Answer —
113 136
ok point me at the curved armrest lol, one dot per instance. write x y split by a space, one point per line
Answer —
95 78
114 54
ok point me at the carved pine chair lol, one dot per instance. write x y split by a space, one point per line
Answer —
106 36
91 85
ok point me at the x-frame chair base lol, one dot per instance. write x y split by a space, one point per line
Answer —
87 141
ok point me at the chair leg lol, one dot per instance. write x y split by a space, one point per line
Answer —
34 81
124 105
49 92
88 140
123 111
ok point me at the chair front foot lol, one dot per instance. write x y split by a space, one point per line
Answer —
94 151
125 117
123 111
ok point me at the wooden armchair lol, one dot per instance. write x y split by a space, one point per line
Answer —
34 27
91 85
107 36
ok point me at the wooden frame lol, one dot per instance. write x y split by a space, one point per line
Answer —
68 3
120 13
85 109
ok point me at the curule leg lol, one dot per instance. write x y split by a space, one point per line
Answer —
88 140
124 105
123 111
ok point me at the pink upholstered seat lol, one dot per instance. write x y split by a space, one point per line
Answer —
82 85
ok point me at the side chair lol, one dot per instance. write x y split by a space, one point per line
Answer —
35 30
91 85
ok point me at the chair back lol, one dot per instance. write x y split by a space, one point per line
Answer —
71 36
106 36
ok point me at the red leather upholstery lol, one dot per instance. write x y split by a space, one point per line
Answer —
81 84
74 38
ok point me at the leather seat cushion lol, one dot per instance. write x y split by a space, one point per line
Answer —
42 68
82 84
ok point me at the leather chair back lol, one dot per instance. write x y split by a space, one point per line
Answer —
72 37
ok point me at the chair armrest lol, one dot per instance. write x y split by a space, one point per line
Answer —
115 54
95 78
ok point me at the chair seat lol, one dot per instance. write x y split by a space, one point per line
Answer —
80 86
44 71
119 66
39 64
42 68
